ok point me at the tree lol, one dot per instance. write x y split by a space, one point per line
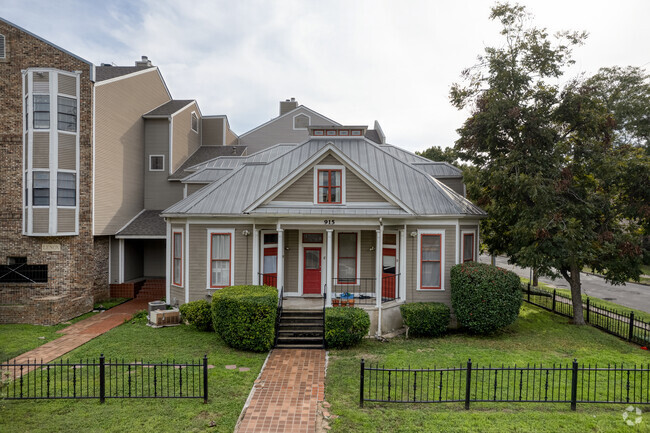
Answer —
547 170
436 153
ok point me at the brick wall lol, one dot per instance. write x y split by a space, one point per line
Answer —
72 271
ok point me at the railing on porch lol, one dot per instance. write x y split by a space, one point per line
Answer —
353 292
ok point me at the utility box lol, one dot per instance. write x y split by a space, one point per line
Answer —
156 305
165 317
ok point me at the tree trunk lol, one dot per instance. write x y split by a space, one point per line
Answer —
576 296
535 278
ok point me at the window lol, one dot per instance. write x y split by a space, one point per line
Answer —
389 239
220 260
312 238
329 186
41 111
67 114
468 247
156 162
270 238
430 261
177 270
16 260
3 47
347 259
41 188
195 122
66 189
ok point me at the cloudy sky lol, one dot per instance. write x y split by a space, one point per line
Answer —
354 61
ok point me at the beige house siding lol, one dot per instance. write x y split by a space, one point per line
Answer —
67 151
302 190
291 261
177 294
68 85
194 187
41 150
159 193
212 131
65 220
198 256
455 183
231 139
119 147
41 220
185 141
414 295
356 190
367 265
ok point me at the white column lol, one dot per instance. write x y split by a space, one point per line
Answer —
457 242
280 258
121 263
256 256
402 264
168 255
186 262
328 272
378 265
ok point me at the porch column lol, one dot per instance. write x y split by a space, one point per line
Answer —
168 262
121 262
328 272
280 258
256 257
402 264
378 265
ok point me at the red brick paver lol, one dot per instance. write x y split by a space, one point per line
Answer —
285 397
81 332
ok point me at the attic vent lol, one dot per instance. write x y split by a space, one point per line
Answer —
3 51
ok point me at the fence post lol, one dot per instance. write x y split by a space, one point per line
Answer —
205 378
363 367
554 300
468 383
574 385
587 309
102 379
528 291
630 334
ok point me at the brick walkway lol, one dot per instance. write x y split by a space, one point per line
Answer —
81 332
285 398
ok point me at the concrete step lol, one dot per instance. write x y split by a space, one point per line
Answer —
299 346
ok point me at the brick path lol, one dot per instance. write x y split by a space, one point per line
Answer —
285 398
81 332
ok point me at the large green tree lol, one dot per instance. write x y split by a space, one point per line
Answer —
547 170
438 154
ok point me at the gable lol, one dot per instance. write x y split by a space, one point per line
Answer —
302 189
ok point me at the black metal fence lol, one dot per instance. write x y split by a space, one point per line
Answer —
569 383
623 324
104 379
363 291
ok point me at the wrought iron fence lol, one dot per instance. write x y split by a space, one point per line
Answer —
620 323
102 379
23 273
363 291
568 383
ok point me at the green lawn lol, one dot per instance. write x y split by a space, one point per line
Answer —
537 336
228 389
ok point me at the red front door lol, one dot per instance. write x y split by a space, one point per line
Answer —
389 265
270 266
311 271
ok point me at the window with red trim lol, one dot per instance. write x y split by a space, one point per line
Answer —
430 261
347 259
468 247
220 252
177 269
329 186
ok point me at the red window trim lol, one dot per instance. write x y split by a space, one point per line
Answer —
472 259
338 257
212 286
329 186
174 258
439 261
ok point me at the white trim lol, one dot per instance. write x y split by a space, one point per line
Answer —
379 272
182 233
168 262
130 221
94 122
402 262
299 107
293 122
301 260
256 256
171 140
157 169
442 259
121 262
328 270
280 261
186 261
192 114
3 53
209 255
140 237
458 258
336 256
462 245
315 185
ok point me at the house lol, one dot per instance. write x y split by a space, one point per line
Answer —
337 214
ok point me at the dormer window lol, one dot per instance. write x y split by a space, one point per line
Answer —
329 186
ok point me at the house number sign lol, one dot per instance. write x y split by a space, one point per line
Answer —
329 222
51 247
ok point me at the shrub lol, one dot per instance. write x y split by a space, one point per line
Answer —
244 316
345 327
426 319
197 314
485 298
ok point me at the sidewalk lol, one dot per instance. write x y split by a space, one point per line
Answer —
285 398
81 332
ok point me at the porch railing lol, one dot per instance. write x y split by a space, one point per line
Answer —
363 291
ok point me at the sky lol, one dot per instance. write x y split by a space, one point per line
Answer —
354 61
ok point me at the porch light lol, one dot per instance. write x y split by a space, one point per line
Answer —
245 233
414 234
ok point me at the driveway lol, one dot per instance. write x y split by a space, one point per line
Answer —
630 295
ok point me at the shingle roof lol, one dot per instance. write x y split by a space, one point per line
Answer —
419 192
169 108
107 72
148 223
203 154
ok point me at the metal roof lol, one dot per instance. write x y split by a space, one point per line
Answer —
205 153
439 169
418 192
147 223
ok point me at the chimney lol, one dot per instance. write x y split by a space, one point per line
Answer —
144 62
288 105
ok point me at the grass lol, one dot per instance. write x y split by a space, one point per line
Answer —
537 336
20 338
228 389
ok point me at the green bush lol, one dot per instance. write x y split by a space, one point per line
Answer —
345 327
426 319
244 316
197 314
485 298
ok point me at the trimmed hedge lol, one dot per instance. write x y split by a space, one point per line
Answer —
244 316
197 314
485 298
426 319
345 327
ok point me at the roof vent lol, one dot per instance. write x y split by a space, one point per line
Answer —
288 105
144 62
